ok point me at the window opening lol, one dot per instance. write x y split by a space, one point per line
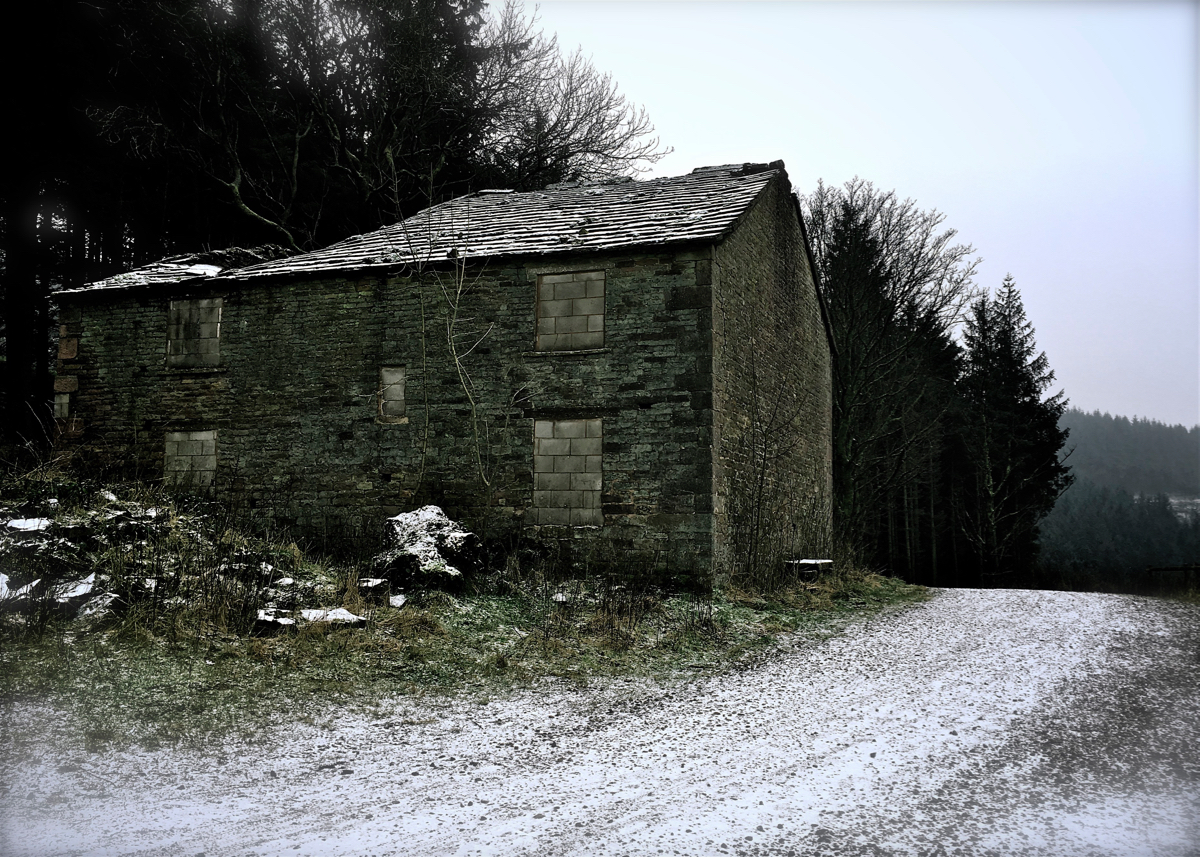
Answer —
567 472
391 394
194 333
190 458
570 311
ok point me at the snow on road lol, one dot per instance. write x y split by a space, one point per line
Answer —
979 723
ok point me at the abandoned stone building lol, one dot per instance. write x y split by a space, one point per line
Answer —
641 366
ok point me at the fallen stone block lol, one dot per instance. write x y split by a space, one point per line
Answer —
425 549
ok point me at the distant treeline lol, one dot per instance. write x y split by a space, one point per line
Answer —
1102 538
1115 528
1135 455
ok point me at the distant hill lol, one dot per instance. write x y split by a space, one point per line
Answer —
1138 456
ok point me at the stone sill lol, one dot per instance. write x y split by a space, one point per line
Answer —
581 353
197 370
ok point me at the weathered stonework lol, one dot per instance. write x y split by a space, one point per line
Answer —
695 336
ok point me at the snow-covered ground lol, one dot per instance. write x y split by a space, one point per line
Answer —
979 723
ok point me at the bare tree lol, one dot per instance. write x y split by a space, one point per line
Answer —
555 118
895 284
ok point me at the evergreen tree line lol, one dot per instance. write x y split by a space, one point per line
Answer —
1100 537
947 447
1117 528
1138 456
148 128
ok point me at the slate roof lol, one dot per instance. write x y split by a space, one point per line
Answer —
573 217
568 218
193 266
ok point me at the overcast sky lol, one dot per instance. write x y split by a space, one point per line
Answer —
1059 139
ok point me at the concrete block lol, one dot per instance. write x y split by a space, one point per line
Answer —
545 324
543 463
584 481
569 464
595 323
587 306
571 324
556 308
594 427
554 517
570 428
587 518
552 446
568 291
593 464
586 446
556 278
543 428
591 339
554 481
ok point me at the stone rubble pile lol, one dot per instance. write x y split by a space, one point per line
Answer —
51 562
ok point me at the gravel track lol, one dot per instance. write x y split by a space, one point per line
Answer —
983 722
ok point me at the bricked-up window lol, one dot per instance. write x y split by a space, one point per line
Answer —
570 311
567 475
190 458
194 333
391 394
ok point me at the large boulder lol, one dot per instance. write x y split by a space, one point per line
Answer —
426 550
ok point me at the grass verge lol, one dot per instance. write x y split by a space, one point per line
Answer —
119 687
182 661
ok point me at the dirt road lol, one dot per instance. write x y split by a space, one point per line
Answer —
979 723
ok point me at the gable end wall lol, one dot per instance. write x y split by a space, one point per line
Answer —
772 395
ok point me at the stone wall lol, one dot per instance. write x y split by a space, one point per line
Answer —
294 397
772 394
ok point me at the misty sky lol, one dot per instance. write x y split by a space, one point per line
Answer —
1059 139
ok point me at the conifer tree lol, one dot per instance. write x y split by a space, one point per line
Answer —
1015 469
